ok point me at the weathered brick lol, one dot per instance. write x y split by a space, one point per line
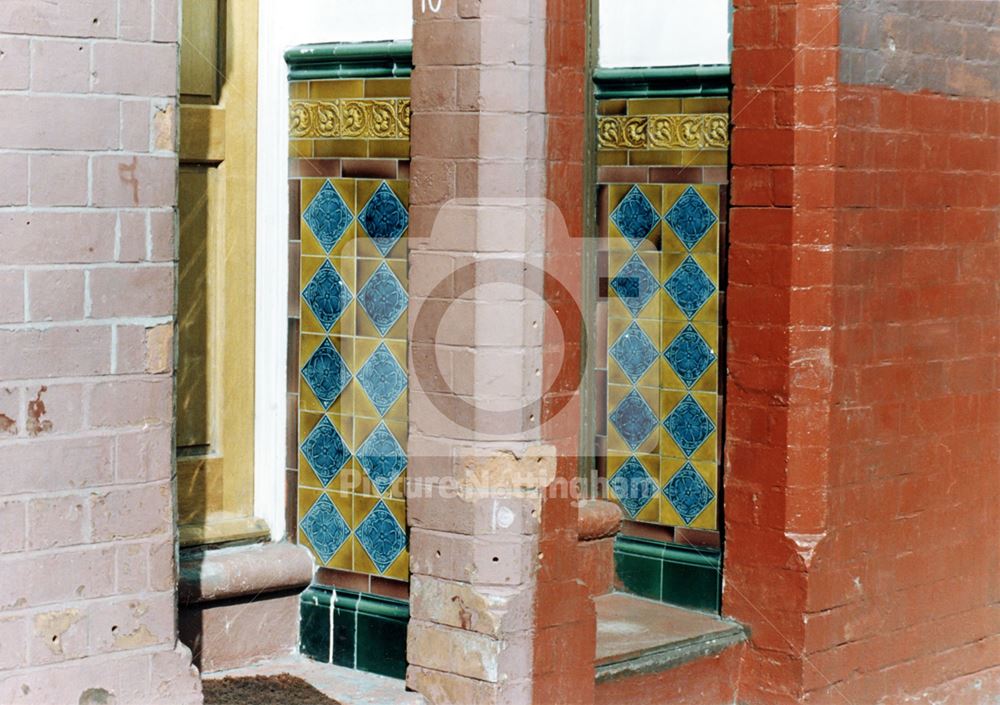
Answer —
114 68
55 294
60 66
133 181
50 237
135 21
65 351
13 179
11 296
15 63
56 521
131 512
58 122
150 289
144 456
13 631
59 180
12 525
28 577
55 465
86 18
131 402
136 124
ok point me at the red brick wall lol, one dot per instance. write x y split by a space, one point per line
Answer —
863 416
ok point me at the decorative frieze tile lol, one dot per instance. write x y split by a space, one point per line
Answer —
357 118
664 132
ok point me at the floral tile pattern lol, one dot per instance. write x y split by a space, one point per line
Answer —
665 446
352 422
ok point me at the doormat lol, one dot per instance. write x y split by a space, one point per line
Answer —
283 689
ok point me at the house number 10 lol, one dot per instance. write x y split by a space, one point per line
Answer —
433 5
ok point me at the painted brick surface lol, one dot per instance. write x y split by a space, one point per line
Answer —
87 605
863 412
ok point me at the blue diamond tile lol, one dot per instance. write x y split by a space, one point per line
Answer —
326 373
633 486
384 218
383 298
327 295
328 216
689 425
326 451
690 217
633 419
381 536
634 352
635 216
382 378
325 528
688 492
689 287
689 355
382 458
635 284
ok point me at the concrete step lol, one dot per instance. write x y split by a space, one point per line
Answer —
649 653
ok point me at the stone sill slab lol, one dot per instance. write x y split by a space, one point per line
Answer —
345 685
637 636
227 573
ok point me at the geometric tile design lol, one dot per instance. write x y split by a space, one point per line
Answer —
690 217
634 352
633 486
327 295
326 451
328 216
689 287
635 216
668 404
381 536
688 492
383 298
689 355
325 528
381 457
635 284
384 218
689 425
633 419
326 373
382 379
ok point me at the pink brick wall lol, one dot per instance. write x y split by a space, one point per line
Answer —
87 271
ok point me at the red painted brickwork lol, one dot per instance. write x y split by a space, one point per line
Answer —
565 621
87 539
863 418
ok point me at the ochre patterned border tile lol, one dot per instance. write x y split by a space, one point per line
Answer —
664 132
364 118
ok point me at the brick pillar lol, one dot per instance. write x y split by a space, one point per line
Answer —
87 228
479 458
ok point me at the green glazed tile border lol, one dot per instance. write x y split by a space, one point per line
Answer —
310 62
670 573
657 82
367 632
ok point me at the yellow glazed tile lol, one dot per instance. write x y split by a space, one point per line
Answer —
337 88
616 194
345 325
365 326
654 106
617 394
345 148
366 188
387 88
364 560
669 401
616 327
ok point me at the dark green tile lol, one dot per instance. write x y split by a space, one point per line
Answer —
381 645
693 586
640 575
344 633
314 626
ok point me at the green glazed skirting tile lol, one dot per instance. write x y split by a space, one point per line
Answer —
350 60
368 632
678 575
314 624
660 82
